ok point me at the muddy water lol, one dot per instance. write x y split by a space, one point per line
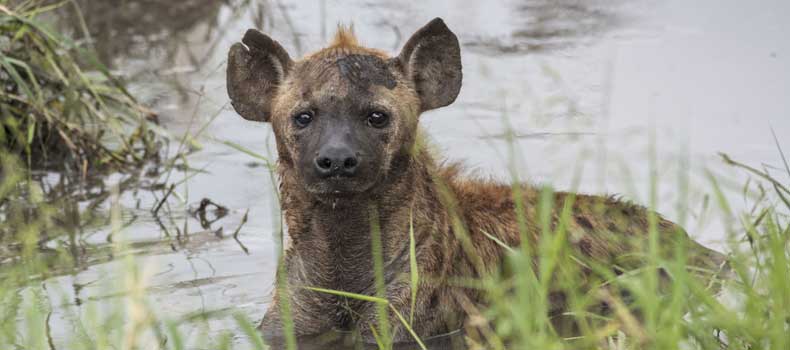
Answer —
581 87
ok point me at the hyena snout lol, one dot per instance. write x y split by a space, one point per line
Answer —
336 160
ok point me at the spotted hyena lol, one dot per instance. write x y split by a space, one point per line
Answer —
352 163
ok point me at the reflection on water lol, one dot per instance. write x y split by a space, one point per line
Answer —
75 203
79 209
547 25
133 28
576 80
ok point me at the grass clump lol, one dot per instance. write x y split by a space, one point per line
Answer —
61 110
59 106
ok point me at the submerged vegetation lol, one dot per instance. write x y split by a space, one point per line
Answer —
65 122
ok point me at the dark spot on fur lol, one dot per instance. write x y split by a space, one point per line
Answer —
434 303
664 224
585 246
366 70
584 222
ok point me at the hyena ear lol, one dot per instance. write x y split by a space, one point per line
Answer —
432 59
256 66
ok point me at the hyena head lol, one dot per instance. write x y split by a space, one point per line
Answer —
345 117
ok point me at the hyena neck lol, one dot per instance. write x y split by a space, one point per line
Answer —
334 242
350 217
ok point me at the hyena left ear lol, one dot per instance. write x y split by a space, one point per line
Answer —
255 70
432 59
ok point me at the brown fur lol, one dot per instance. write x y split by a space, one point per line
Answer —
345 43
330 237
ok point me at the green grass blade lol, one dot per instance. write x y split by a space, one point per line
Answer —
250 331
498 241
349 295
408 327
246 151
781 153
413 268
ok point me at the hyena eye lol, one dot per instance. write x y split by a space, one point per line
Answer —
301 119
378 119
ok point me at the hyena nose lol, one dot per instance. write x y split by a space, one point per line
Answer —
336 162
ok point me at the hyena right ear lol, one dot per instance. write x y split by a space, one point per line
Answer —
432 60
255 70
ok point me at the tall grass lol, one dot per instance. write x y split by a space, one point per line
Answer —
680 312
